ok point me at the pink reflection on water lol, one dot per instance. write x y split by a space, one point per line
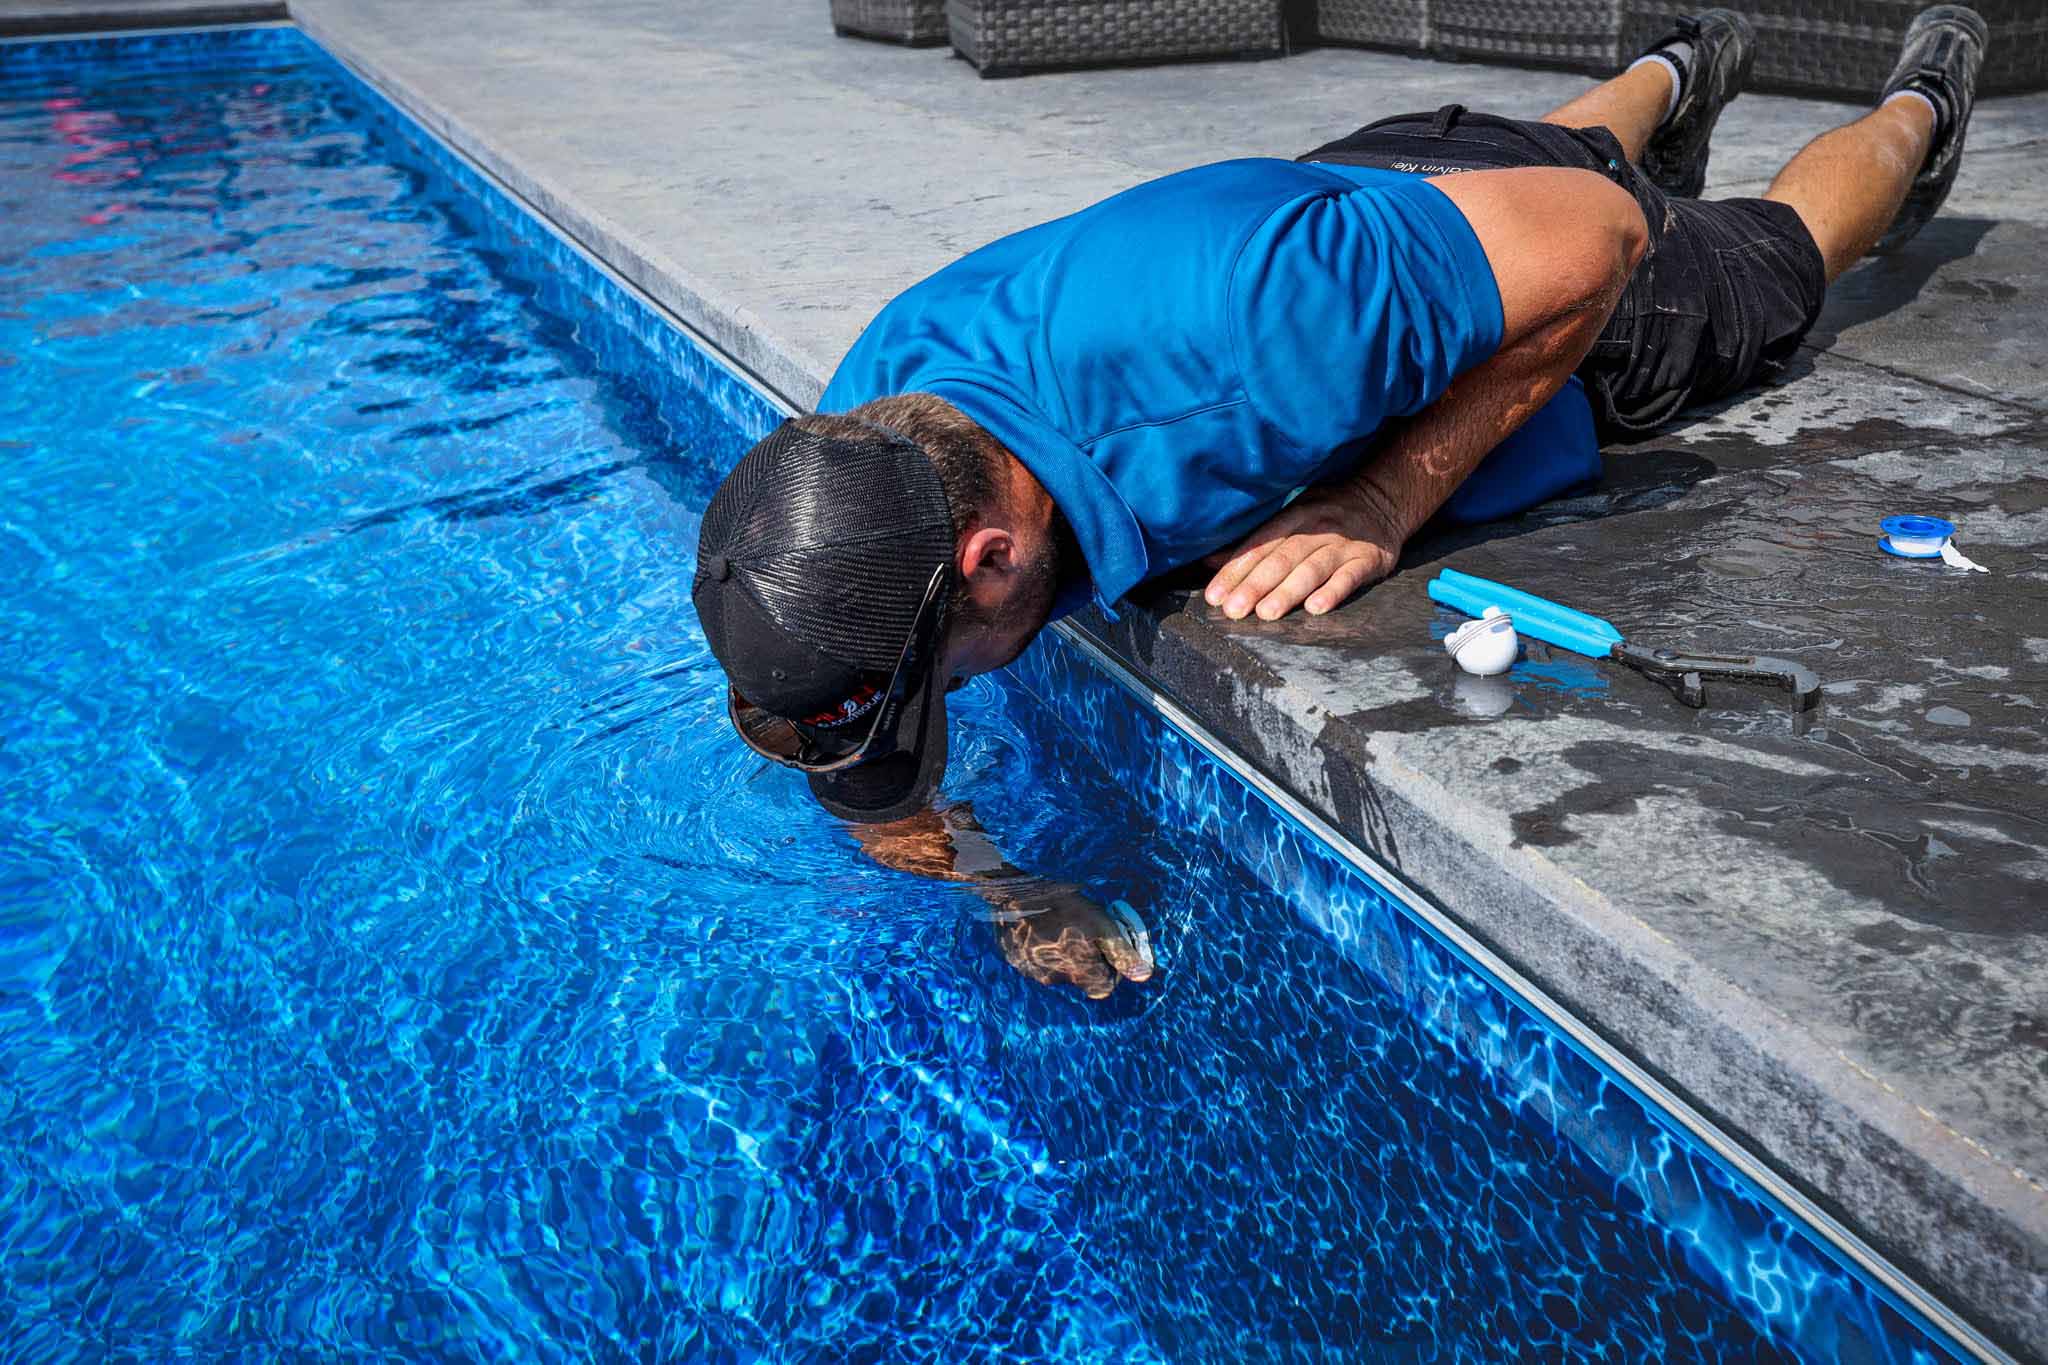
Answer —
100 156
88 131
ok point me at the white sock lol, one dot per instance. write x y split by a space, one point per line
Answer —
1916 95
1677 80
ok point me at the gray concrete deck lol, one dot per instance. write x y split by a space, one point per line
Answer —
1835 942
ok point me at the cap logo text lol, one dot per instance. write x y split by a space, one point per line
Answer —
848 711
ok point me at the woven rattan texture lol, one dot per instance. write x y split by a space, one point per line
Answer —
1578 33
1382 23
917 22
1847 47
1002 36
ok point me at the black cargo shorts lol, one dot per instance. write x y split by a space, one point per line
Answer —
1724 295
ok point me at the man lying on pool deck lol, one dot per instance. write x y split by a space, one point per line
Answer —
1429 317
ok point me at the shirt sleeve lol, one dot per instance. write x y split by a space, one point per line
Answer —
1351 307
1553 452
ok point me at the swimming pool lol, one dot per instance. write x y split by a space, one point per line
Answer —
399 956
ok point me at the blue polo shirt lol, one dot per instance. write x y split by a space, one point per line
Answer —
1173 362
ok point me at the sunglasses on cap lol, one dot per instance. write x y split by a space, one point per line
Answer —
813 744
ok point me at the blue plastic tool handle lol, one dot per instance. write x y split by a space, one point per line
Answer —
1534 616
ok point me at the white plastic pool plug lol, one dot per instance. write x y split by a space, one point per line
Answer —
1486 646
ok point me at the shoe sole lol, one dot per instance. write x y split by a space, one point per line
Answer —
1678 176
1913 217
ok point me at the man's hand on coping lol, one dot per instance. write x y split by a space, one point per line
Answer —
1316 551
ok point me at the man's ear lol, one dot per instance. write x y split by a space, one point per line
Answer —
990 550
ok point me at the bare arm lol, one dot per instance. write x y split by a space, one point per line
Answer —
1048 930
1561 244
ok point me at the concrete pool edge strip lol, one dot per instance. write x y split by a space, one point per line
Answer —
1724 1051
1746 1074
99 19
728 328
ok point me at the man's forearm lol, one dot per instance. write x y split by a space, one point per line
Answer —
1414 473
1048 930
952 846
1561 244
1562 247
1339 536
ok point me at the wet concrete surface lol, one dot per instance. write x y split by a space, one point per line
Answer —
1832 937
1961 304
1916 786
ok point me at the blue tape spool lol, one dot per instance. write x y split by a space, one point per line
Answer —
1911 528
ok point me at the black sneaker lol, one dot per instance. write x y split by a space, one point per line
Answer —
1723 49
1943 52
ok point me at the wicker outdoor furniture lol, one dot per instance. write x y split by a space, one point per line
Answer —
1375 23
1002 37
919 23
1843 48
1847 47
1584 34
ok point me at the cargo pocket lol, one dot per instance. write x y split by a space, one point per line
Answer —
1642 370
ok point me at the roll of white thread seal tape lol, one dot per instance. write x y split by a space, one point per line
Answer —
1915 537
1486 646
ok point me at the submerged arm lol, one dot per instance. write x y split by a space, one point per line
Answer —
1047 930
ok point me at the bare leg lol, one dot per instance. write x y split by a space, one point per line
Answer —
1630 106
1847 185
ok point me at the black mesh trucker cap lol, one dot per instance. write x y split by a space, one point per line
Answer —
813 562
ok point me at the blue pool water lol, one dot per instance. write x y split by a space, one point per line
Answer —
398 958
